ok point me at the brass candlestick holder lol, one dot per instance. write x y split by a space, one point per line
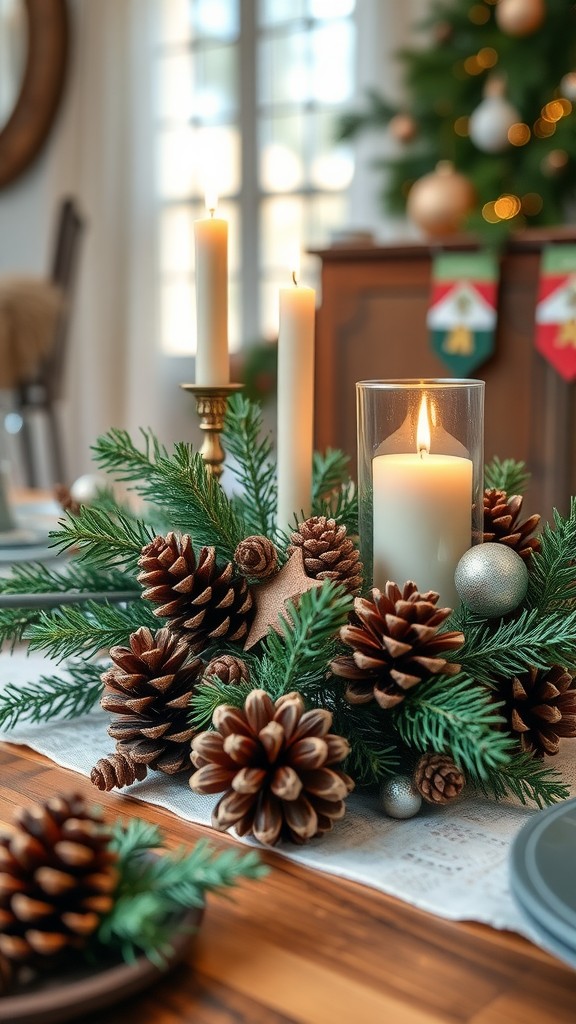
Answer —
211 408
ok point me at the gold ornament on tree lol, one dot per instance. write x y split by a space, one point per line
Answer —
520 17
439 202
403 128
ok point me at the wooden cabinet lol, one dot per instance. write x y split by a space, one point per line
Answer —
372 324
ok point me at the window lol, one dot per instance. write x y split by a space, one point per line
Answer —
255 88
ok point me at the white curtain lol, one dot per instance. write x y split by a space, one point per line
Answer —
104 157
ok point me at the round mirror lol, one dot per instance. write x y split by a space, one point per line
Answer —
33 50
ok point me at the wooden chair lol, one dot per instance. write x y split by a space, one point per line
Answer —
43 391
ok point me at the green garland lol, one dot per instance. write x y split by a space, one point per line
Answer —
460 716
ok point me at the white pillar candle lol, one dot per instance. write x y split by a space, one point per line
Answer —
295 403
211 243
422 517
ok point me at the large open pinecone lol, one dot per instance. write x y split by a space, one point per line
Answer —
148 689
329 554
396 644
273 762
57 879
540 706
205 600
502 523
438 779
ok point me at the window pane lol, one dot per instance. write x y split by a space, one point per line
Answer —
274 12
217 160
175 86
331 8
284 70
176 156
176 240
331 162
178 317
174 21
281 153
216 19
216 85
282 234
324 214
332 63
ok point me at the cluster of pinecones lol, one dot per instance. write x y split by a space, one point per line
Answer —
58 879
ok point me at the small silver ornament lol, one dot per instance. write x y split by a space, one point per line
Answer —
491 579
86 488
399 797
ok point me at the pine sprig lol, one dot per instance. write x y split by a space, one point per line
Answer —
178 484
373 751
330 471
507 475
52 696
103 542
302 650
39 578
254 465
84 630
505 647
211 694
525 777
454 714
552 570
153 889
15 623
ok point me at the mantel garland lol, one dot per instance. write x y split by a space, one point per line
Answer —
251 658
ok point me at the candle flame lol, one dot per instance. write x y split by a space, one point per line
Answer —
423 428
295 264
211 200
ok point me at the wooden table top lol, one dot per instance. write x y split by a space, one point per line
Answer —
304 947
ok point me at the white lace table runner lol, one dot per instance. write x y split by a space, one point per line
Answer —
452 862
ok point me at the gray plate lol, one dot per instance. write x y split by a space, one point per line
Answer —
543 871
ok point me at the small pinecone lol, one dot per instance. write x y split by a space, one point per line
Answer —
396 644
149 690
540 706
206 601
329 554
117 770
57 880
257 557
438 779
502 523
228 669
273 763
65 499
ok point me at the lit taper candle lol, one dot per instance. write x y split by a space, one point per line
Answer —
211 243
295 402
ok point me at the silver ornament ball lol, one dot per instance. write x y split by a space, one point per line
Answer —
399 797
85 489
491 579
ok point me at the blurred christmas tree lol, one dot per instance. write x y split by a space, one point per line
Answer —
492 97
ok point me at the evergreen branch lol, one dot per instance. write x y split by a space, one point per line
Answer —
152 889
341 505
180 485
210 694
552 569
503 648
508 475
39 578
525 777
84 630
299 652
455 715
102 542
254 465
373 751
330 472
52 696
14 623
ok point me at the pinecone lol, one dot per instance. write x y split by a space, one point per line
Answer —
117 770
228 669
438 779
396 644
257 557
329 554
57 880
271 761
206 601
540 706
149 689
503 526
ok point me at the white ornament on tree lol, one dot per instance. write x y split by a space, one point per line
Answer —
568 86
491 121
520 17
